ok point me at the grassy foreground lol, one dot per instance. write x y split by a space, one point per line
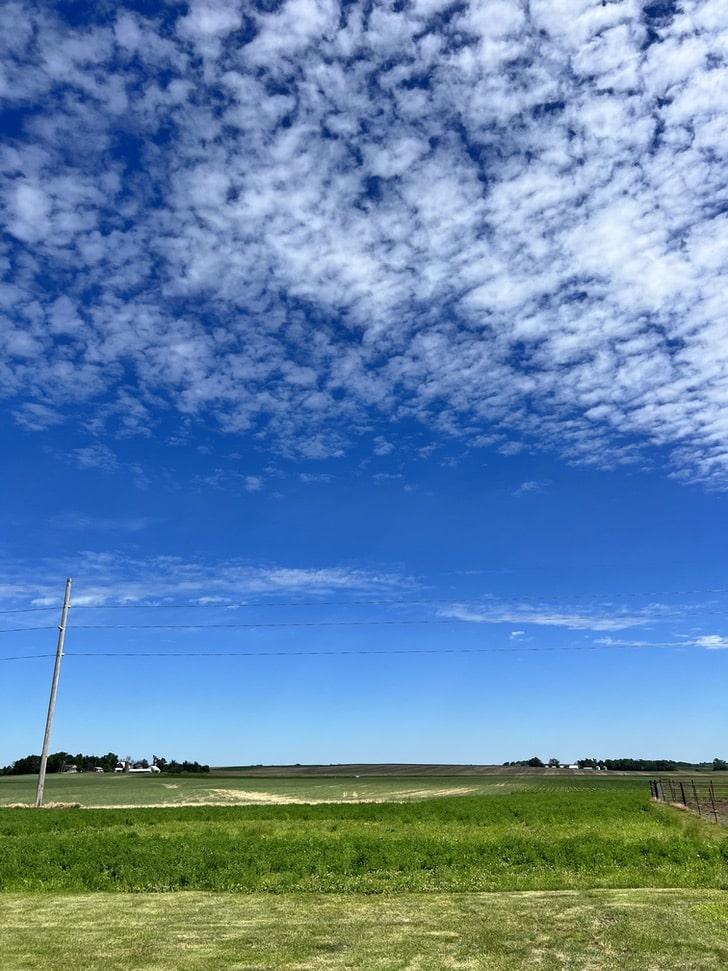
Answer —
579 875
632 930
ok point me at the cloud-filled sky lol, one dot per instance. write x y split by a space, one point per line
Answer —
382 329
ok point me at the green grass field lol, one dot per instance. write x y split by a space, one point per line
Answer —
518 872
612 930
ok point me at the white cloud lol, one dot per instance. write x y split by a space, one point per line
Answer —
78 522
209 19
531 487
712 642
314 477
37 417
504 222
595 619
207 23
28 208
104 577
95 457
382 446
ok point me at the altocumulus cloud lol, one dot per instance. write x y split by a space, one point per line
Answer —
505 220
116 578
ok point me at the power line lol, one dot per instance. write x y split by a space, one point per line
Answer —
358 652
265 625
25 657
26 610
368 651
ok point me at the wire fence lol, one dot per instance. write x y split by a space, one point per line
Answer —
703 796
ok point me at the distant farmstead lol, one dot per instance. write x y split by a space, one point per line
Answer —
139 768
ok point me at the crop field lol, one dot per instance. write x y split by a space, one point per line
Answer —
497 873
111 790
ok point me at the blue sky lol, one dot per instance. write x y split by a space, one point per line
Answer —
365 366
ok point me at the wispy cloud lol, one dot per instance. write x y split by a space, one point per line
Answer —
596 618
382 446
504 221
115 577
79 522
95 457
710 642
532 487
316 477
713 642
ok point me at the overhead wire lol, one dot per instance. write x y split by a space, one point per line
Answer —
263 625
487 601
359 652
26 657
27 610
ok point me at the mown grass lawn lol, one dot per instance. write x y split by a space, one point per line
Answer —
629 930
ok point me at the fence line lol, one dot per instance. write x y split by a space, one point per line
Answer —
707 798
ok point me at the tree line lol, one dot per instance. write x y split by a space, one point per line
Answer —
61 761
628 765
651 765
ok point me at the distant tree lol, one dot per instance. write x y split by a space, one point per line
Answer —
30 765
663 765
720 765
554 763
56 761
194 767
535 762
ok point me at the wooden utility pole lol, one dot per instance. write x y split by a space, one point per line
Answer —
52 702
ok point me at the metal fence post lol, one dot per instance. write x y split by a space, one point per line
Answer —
697 801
